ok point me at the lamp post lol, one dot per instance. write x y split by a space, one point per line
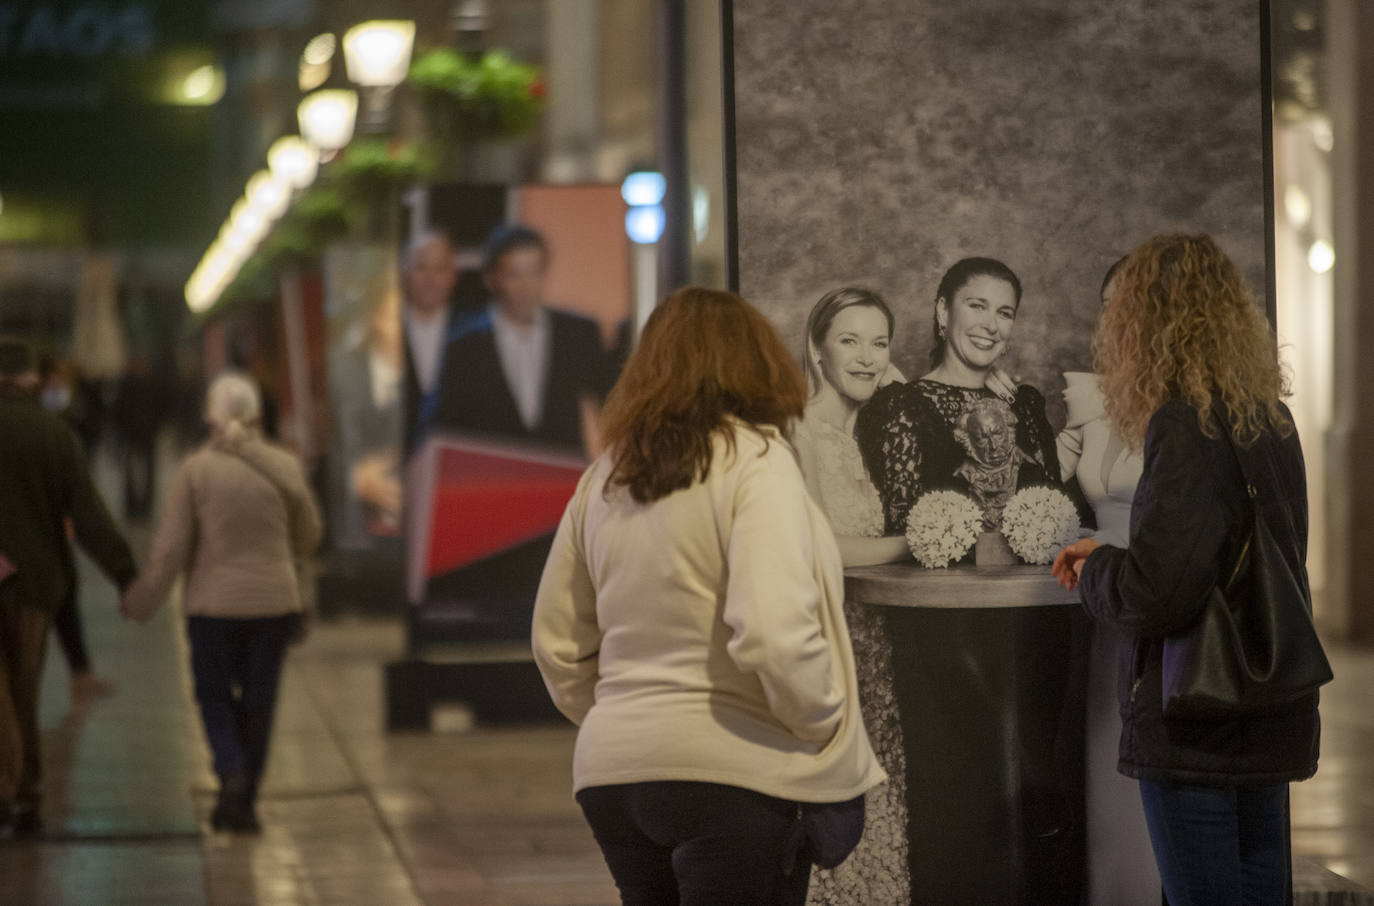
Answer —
377 56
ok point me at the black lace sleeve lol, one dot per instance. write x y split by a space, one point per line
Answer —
889 431
1034 435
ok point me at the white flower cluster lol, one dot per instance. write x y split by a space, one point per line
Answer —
942 527
1038 522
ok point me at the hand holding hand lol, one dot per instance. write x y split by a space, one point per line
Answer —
134 606
1068 564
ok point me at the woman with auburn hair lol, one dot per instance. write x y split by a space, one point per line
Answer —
1186 359
689 619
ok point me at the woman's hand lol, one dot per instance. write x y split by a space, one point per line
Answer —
1002 384
1068 565
373 480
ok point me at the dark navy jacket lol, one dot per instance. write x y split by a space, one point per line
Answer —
472 394
1189 518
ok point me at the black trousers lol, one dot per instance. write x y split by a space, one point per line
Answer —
697 844
236 665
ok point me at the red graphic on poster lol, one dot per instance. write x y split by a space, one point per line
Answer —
478 499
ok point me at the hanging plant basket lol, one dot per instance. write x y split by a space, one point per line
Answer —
467 100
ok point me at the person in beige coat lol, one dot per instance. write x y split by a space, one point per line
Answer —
238 519
690 620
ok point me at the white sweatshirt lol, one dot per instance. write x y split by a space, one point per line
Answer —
701 636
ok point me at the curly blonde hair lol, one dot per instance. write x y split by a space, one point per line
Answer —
1180 322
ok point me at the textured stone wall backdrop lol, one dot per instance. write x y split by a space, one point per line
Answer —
878 142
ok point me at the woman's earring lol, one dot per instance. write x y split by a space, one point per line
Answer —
940 331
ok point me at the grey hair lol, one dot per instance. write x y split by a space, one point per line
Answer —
422 239
233 400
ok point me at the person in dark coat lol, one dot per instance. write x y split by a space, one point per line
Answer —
1181 338
430 277
44 481
518 369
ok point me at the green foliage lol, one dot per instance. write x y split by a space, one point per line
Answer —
371 170
354 193
317 218
465 99
255 281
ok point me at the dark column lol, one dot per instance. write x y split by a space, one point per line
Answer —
674 264
1350 530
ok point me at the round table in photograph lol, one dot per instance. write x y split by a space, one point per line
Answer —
989 670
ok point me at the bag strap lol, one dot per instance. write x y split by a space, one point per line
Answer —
237 453
1251 492
1219 413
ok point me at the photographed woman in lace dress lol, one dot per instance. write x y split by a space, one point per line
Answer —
907 431
908 434
847 357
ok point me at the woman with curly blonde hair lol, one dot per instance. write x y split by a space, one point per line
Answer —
1190 376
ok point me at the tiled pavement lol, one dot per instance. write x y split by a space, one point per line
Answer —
350 814
353 815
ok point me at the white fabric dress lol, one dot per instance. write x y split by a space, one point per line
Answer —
1121 866
876 873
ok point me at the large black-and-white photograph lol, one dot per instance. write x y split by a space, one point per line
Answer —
931 200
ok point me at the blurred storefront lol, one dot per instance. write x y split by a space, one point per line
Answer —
133 127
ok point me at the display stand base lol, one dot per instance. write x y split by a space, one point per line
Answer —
457 651
499 686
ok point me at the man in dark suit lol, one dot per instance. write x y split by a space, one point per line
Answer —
519 369
430 276
43 482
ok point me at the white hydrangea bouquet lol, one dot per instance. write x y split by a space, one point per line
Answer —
1038 522
942 527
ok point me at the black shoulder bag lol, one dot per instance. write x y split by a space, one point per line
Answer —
1255 648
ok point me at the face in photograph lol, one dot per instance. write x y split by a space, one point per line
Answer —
988 435
517 280
431 276
855 353
978 321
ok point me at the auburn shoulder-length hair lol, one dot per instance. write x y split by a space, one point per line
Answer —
704 356
1180 322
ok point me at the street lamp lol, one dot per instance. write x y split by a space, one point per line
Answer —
268 195
293 161
326 119
377 56
316 62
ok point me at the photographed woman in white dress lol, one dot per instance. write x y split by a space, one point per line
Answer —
1121 867
848 336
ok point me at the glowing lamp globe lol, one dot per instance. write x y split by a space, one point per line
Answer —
377 53
327 117
268 194
293 161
